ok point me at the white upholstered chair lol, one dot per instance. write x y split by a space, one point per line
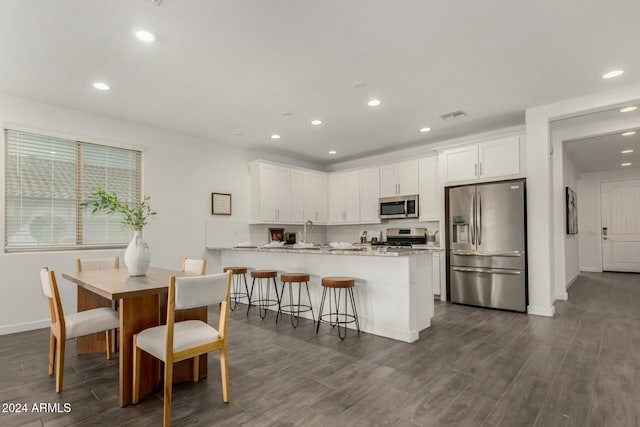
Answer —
198 266
177 341
97 264
72 325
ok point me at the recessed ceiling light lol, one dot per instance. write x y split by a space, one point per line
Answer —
287 113
628 109
101 86
612 74
359 85
627 151
631 132
145 36
625 164
275 136
316 122
332 152
423 130
237 133
374 103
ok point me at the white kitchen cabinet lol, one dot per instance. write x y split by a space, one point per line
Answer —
344 198
315 197
487 160
435 271
397 179
296 203
429 195
369 195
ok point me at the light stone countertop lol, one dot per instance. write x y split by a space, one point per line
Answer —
325 250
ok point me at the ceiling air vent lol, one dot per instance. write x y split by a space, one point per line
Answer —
458 114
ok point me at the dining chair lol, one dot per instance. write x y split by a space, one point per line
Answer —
191 265
64 327
97 264
188 339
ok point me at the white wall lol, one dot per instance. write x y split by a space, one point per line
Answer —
179 174
570 177
589 215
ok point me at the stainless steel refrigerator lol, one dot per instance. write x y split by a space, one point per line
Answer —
486 243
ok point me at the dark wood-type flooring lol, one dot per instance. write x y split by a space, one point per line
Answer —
473 367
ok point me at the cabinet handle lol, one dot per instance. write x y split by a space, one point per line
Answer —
480 168
475 169
398 188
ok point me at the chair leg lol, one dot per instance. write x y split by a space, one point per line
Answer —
108 335
168 382
59 364
137 353
224 373
196 369
52 351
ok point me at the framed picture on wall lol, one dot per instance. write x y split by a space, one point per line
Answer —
572 211
220 204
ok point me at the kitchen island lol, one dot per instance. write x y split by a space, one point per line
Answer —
393 287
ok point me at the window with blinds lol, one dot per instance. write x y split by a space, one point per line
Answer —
46 180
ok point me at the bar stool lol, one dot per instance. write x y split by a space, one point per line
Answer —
336 285
294 309
264 301
239 273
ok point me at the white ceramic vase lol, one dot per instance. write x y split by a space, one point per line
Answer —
137 257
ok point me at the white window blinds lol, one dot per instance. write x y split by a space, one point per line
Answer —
46 180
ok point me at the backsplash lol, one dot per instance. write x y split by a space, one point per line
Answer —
351 233
259 233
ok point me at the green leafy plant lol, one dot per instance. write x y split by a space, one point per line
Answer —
136 216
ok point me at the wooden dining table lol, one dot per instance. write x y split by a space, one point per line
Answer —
142 303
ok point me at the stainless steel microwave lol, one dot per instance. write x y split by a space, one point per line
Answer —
399 207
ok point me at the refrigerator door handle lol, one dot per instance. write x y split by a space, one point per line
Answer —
472 219
486 271
479 232
514 254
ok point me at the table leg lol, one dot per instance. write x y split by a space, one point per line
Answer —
137 314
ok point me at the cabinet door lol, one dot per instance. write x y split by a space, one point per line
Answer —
267 193
369 195
499 158
336 198
315 197
389 180
461 164
435 271
282 194
297 196
430 202
408 177
352 197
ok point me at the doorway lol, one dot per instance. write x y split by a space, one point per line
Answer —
620 233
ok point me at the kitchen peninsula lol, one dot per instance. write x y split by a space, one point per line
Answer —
393 290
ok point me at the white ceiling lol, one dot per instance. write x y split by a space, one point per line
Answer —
220 67
603 152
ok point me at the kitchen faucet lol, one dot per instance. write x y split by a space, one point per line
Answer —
308 222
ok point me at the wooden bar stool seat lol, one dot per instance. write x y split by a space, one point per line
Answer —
264 300
294 308
336 285
237 293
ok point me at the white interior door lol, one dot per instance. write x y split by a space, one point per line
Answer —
620 202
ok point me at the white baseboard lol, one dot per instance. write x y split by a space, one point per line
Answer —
541 311
572 280
22 327
591 269
563 296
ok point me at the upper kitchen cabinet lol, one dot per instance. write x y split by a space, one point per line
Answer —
369 195
430 195
498 158
315 197
276 194
344 198
399 179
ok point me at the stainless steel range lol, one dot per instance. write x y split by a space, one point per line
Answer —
403 237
